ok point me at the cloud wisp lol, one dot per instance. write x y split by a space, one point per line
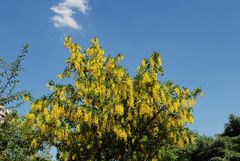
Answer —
64 13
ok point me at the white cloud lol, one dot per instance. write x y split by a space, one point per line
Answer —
64 13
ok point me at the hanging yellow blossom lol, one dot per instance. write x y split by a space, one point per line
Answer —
30 118
34 143
119 109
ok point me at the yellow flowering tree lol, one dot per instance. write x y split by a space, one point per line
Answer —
107 115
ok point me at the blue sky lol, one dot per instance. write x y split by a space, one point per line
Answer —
198 41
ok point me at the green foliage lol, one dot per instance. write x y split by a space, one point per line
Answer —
232 128
8 80
167 154
225 147
15 138
15 141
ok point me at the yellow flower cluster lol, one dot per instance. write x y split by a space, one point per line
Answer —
34 143
145 109
30 118
146 78
36 106
120 133
119 109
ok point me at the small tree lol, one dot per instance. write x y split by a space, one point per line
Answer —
107 115
8 81
232 128
15 139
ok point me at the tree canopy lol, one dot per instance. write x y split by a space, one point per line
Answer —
232 128
223 147
104 114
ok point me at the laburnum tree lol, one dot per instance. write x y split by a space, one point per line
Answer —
107 115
